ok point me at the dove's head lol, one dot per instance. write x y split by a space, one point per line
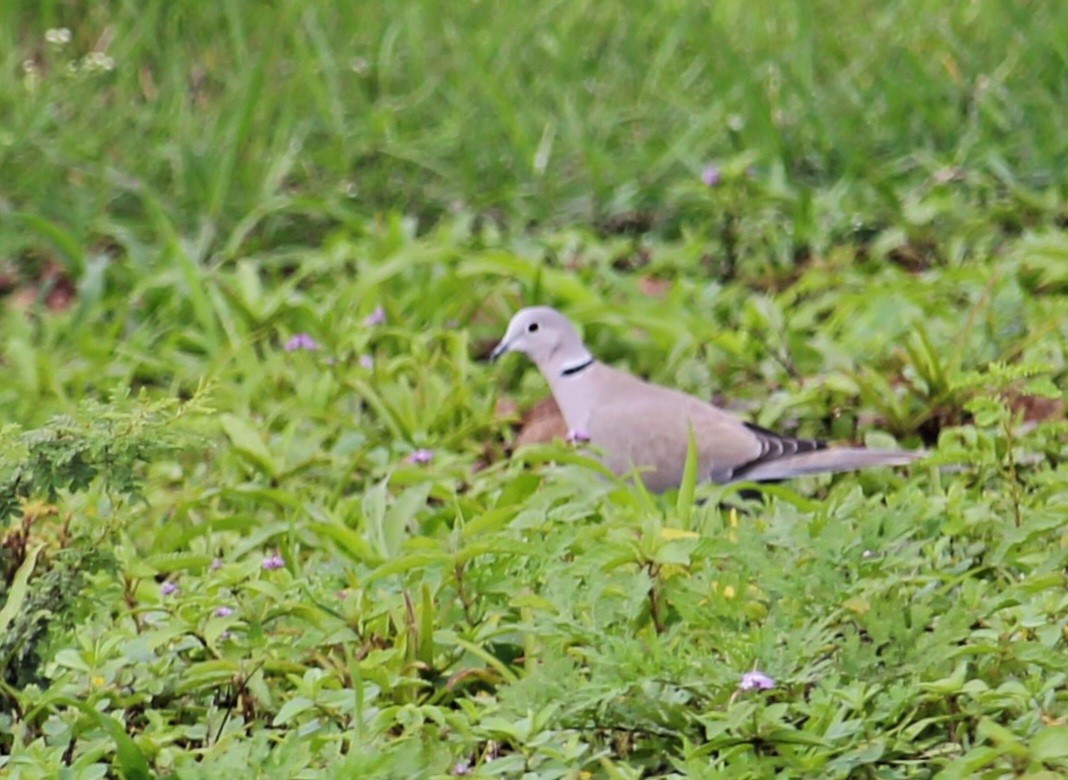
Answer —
545 336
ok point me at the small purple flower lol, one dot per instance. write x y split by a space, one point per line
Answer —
275 561
216 564
168 589
377 317
420 456
366 361
711 175
301 341
577 436
461 768
223 612
755 681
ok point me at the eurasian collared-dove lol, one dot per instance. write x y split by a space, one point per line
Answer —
640 425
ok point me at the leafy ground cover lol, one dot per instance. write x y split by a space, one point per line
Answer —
260 505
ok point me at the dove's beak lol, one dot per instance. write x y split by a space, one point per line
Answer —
498 350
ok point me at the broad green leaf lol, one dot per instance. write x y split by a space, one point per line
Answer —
133 764
291 709
18 590
1050 744
249 443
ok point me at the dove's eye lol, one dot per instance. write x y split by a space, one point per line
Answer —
532 327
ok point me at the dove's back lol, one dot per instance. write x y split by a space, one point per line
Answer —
644 426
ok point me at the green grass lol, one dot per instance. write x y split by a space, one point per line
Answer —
884 258
256 128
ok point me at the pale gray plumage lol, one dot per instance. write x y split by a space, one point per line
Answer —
643 426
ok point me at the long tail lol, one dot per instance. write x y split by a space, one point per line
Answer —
829 460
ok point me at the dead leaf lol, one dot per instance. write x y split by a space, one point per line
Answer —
505 409
653 287
1035 408
542 423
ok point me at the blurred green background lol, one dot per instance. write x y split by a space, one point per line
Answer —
253 251
268 123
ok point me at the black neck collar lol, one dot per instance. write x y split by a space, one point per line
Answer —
572 370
